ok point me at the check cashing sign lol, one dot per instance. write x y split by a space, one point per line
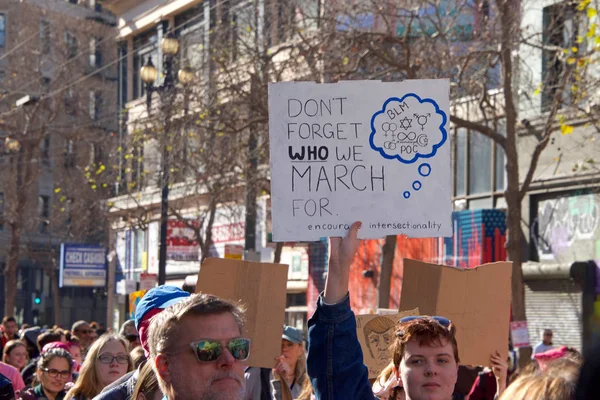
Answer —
82 265
361 150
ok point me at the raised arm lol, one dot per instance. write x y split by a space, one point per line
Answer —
335 359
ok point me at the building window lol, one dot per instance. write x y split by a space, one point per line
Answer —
560 30
191 31
46 150
71 44
241 20
44 213
70 101
2 30
479 167
144 46
45 37
70 154
95 104
95 53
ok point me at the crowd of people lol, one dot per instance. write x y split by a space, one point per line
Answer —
182 346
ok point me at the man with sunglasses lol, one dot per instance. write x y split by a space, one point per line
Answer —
82 330
130 333
197 349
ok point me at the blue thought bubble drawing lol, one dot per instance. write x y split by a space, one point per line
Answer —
407 129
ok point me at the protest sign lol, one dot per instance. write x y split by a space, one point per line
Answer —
519 333
376 333
261 288
476 300
362 150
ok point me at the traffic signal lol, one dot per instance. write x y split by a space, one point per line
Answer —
37 298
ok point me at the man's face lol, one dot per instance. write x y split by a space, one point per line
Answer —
195 380
547 338
83 332
379 344
10 328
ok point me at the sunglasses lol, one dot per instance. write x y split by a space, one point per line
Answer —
445 322
132 337
53 373
108 359
210 350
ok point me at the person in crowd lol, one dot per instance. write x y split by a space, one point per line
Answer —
290 368
75 350
425 351
153 303
10 330
138 356
487 382
82 330
54 371
30 336
6 389
557 382
13 374
42 340
291 365
545 344
129 332
147 385
197 349
15 354
547 358
106 361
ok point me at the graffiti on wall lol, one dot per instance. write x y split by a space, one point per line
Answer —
566 228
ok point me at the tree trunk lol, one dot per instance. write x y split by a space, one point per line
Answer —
278 249
385 277
10 272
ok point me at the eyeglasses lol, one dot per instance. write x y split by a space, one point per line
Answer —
210 350
53 373
132 337
108 359
445 322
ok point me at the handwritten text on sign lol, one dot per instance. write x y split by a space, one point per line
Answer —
370 151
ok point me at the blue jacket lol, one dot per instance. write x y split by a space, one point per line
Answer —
335 360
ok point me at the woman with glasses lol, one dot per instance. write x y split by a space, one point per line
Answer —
424 349
106 361
54 371
15 354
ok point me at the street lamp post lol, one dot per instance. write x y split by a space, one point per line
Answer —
149 74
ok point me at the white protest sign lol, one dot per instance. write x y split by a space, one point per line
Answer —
361 150
519 333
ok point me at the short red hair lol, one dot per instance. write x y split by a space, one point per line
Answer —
427 332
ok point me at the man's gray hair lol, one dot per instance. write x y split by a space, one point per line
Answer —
126 325
164 325
78 325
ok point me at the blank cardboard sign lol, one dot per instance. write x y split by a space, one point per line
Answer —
261 287
376 333
476 300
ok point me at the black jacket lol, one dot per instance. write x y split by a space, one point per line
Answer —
121 389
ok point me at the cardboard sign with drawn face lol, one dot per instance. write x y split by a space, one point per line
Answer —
376 334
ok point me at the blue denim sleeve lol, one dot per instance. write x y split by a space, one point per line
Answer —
335 360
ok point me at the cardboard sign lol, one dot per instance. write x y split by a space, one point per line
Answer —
476 300
376 333
519 333
361 150
134 299
261 287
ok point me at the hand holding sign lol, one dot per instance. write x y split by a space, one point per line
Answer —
342 253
